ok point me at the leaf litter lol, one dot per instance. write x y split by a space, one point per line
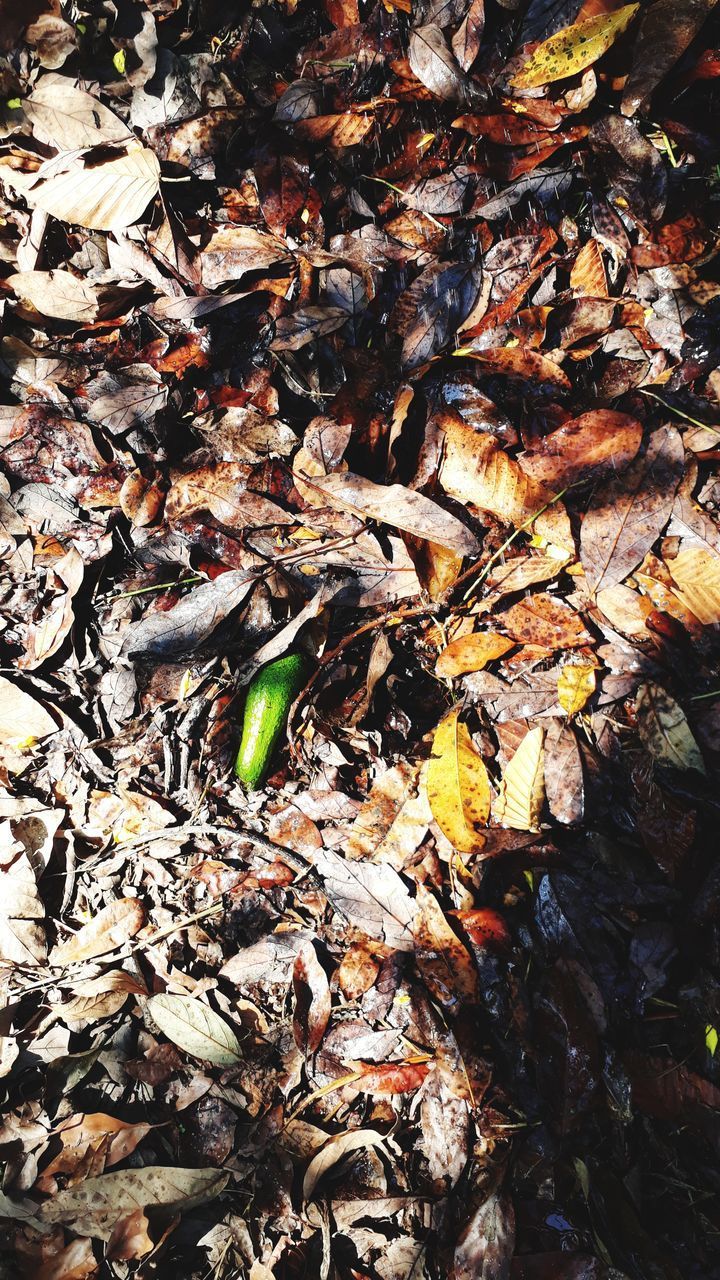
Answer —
384 333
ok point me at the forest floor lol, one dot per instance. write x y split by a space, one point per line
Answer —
383 332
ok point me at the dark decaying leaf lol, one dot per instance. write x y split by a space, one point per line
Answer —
431 311
666 29
487 1242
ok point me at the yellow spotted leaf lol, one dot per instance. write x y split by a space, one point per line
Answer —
458 787
574 48
522 789
664 729
576 683
471 653
696 574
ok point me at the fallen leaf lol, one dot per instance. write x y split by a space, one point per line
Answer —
545 621
372 896
458 787
445 964
576 685
395 505
434 64
666 30
312 1000
628 514
105 189
664 729
696 574
193 1026
573 49
23 720
522 789
335 1150
486 1244
94 1207
471 653
112 927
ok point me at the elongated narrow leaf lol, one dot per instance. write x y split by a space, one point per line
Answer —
196 1028
522 789
574 48
458 786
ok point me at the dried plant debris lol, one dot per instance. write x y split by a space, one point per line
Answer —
379 335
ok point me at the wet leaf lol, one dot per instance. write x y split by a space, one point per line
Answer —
665 731
196 1028
572 50
434 64
666 30
522 789
627 515
435 306
458 786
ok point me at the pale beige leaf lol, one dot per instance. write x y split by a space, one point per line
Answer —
576 684
63 296
664 729
458 786
196 1028
94 1206
522 789
372 896
396 505
696 574
67 117
111 928
109 195
471 653
23 720
22 936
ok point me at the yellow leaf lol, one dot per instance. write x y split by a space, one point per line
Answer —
576 683
458 787
696 573
522 789
471 653
119 61
574 48
664 730
711 1039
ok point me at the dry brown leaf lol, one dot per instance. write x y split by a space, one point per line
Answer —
395 505
106 191
474 469
112 927
313 1001
522 788
94 1207
446 965
458 787
545 621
